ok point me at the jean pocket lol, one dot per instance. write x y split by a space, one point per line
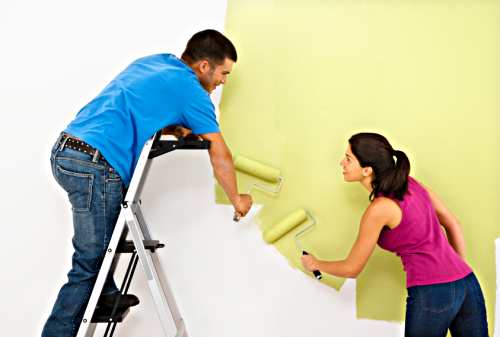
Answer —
437 298
78 185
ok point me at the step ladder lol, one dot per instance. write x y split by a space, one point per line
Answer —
142 247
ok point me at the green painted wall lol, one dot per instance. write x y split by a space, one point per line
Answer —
425 74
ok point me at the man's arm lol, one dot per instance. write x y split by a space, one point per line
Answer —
222 163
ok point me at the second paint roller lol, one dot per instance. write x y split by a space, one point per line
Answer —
270 175
288 223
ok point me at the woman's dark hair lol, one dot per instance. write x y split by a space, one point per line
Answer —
390 177
209 45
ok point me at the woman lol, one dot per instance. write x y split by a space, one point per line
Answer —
405 217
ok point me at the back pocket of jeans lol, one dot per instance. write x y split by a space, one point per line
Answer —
78 185
437 298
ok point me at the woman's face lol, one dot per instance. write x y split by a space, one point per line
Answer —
351 169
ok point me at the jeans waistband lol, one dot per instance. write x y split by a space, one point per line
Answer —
66 140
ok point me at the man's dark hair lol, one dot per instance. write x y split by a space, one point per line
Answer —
209 45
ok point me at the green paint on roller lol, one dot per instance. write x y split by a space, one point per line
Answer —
285 225
257 169
294 219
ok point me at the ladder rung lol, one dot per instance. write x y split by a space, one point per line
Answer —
164 146
127 246
104 315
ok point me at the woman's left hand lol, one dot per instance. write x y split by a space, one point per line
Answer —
309 262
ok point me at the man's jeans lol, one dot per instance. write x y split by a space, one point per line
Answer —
458 306
95 192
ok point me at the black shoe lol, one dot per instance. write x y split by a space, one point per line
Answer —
125 301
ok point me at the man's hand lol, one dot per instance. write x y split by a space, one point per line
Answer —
177 131
222 162
242 205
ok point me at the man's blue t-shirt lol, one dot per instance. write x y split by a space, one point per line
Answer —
152 93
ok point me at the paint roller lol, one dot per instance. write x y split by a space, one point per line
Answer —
291 221
270 175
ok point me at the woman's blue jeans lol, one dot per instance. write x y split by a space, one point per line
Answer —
95 192
458 306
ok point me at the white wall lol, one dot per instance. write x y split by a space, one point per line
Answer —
55 56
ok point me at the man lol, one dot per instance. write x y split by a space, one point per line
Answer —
94 158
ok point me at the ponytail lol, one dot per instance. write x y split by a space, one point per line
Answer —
401 172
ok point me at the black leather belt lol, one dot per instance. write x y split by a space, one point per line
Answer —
79 145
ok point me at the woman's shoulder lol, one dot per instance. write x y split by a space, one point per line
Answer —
383 205
388 210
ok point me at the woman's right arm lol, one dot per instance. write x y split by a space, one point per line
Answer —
380 212
450 224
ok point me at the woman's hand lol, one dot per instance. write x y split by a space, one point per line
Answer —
309 262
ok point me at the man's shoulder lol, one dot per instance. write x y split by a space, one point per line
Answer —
166 61
163 57
165 69
155 63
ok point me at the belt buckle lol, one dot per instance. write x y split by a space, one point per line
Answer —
96 156
62 141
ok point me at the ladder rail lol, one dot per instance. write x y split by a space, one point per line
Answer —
142 168
87 328
161 292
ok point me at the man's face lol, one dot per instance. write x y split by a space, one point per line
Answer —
212 75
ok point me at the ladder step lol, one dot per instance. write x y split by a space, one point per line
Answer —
104 315
127 246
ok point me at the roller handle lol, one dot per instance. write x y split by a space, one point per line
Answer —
317 273
236 217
